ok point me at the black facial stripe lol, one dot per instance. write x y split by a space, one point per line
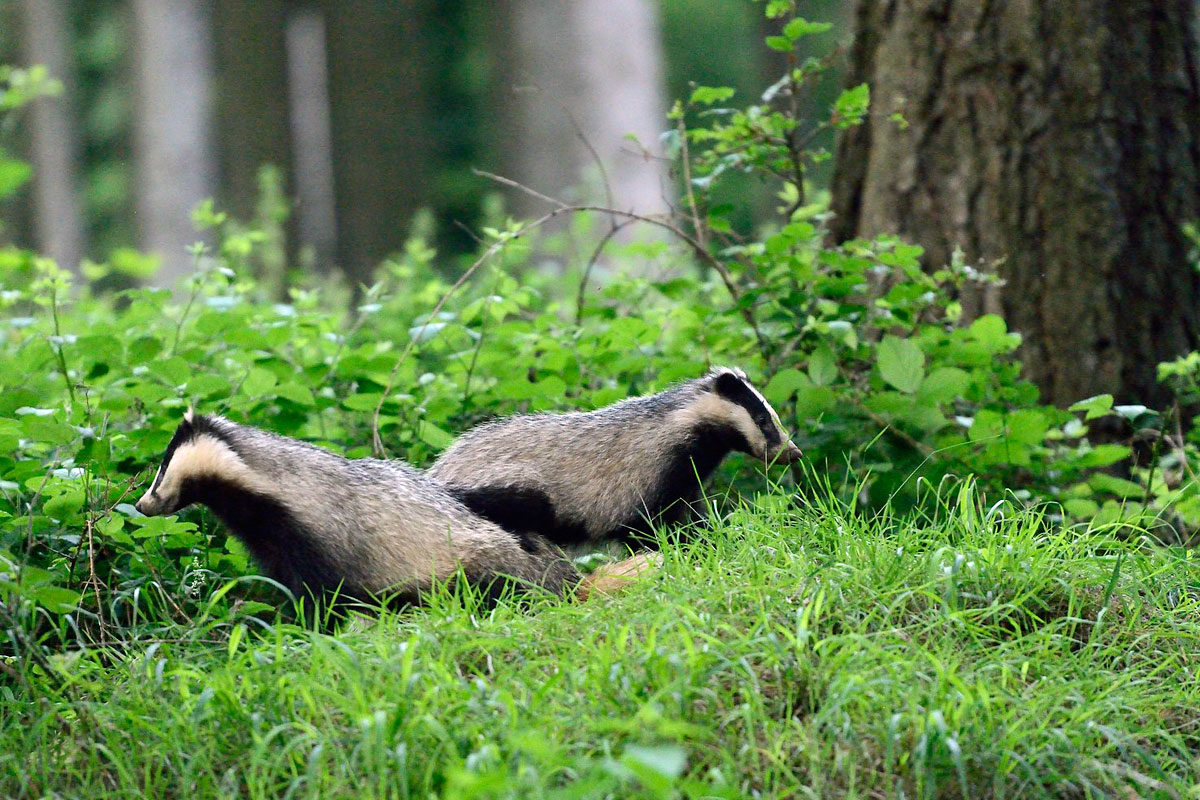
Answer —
736 390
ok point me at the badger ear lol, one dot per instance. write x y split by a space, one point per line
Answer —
189 416
727 384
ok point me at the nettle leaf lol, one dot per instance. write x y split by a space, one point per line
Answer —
780 43
901 363
434 436
1098 406
992 332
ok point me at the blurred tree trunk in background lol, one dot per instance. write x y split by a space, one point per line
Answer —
54 133
1061 137
252 96
383 149
590 68
312 147
172 127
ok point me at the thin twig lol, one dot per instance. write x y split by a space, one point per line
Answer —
521 187
608 194
587 271
685 159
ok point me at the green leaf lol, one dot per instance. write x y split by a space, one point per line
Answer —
1027 426
1103 482
944 384
901 363
55 599
780 43
1102 455
802 27
258 382
64 505
783 385
127 261
13 175
1080 507
300 395
822 367
851 106
365 401
707 95
1098 406
991 331
434 436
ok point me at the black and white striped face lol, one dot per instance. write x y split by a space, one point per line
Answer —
753 417
197 450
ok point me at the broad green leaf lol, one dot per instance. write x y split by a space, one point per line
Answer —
1027 426
258 382
55 599
780 43
434 436
298 394
821 367
1098 406
901 363
62 506
944 384
783 385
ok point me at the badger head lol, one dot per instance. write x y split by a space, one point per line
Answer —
736 402
199 452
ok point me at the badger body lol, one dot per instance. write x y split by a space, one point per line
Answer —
318 523
612 473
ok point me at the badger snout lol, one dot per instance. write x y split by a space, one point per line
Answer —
148 505
789 454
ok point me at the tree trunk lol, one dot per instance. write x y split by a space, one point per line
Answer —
54 134
1058 138
383 148
172 128
252 98
308 91
576 70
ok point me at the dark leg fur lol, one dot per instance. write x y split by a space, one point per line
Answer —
522 511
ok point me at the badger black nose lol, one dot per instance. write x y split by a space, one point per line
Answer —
140 508
790 454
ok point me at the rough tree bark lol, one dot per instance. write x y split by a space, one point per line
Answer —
581 67
1059 136
172 127
54 134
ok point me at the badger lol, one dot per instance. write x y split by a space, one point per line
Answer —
323 525
612 474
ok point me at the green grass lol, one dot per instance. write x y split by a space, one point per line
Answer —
789 654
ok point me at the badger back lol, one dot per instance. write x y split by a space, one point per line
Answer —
605 473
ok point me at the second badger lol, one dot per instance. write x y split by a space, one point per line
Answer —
318 522
613 472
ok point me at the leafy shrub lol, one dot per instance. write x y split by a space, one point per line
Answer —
864 353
